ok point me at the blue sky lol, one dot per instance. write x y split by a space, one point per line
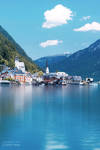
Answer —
48 27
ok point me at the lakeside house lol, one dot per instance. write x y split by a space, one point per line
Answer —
22 77
19 74
54 78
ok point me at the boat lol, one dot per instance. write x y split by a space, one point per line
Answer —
83 83
41 85
4 82
64 82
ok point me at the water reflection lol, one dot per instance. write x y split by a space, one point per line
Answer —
49 118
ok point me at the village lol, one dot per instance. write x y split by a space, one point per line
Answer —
18 76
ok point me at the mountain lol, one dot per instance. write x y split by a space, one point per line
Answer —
52 60
9 49
15 44
85 62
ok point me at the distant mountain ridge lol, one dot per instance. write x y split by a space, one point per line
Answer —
9 49
84 62
54 59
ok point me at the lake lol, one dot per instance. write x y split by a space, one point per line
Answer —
50 118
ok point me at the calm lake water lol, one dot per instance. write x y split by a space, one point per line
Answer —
50 118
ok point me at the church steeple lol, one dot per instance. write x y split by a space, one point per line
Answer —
47 68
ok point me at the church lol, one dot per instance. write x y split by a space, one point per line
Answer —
19 65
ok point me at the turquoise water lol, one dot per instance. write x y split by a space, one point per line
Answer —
50 118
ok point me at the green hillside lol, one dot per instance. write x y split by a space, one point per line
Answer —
8 52
15 44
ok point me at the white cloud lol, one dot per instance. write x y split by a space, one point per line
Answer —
57 16
50 43
65 53
86 18
94 26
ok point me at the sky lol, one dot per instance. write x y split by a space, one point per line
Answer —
50 27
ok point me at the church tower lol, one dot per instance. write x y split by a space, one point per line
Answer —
16 61
47 68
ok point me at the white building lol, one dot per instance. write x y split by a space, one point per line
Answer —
62 74
28 79
19 65
89 79
47 70
77 78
